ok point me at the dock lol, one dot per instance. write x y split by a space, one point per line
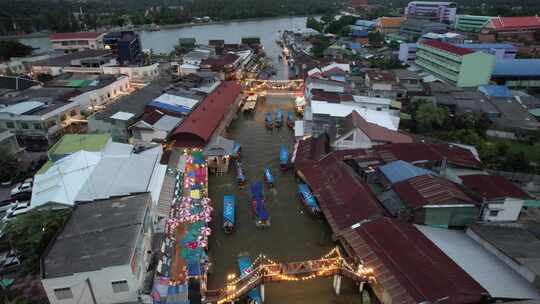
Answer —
250 103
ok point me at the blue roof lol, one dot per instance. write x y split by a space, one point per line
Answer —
517 67
268 175
169 107
355 46
366 23
360 34
495 90
399 170
484 46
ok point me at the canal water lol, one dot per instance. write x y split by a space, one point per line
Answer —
232 32
294 234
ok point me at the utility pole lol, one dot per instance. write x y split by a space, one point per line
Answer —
91 291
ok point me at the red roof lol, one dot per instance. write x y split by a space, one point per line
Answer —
219 62
424 190
197 128
376 132
493 186
73 36
344 199
447 47
409 267
418 152
322 95
508 23
310 150
152 116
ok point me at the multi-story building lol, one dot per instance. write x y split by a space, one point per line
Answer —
499 50
471 23
412 29
72 42
388 25
437 11
126 45
513 27
456 65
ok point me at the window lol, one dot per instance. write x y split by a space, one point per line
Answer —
24 125
120 286
63 293
10 125
493 212
37 126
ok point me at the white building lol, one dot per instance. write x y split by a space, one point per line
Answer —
154 126
119 169
502 200
70 42
407 52
102 253
433 10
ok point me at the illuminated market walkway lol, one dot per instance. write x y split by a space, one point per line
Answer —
265 270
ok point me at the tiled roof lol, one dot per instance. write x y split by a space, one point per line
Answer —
492 186
374 131
343 197
197 128
447 47
409 267
73 36
506 23
220 61
423 190
390 22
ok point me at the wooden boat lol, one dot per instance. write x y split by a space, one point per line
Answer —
258 205
290 120
283 158
268 177
240 175
245 264
229 215
279 118
308 199
237 151
269 121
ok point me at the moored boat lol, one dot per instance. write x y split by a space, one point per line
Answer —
229 215
268 177
258 205
290 119
245 266
283 158
237 151
279 118
308 199
240 175
269 121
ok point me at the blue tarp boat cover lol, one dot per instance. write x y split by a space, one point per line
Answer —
236 148
229 203
290 116
268 117
257 190
279 115
260 209
244 262
240 173
268 175
307 195
283 155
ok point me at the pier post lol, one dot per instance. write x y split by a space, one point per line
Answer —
361 287
262 292
337 284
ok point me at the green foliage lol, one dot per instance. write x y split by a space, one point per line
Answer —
312 23
320 44
387 63
429 117
13 48
8 165
376 38
340 26
31 233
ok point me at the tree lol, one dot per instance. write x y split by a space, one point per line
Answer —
341 25
320 44
516 161
13 48
312 23
375 38
327 18
8 165
429 117
31 233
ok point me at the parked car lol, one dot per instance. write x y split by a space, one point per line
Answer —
7 204
25 186
18 209
9 261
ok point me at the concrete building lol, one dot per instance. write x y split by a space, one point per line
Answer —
8 142
388 25
513 27
502 200
471 23
407 52
72 42
517 73
102 253
459 66
432 10
86 61
154 126
126 45
413 29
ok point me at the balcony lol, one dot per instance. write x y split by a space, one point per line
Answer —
438 61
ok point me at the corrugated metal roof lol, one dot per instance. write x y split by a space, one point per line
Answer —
493 186
516 67
429 190
399 170
508 23
495 90
447 47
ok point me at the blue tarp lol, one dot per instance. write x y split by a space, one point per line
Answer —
360 34
169 107
268 175
495 91
283 155
355 46
307 196
244 261
240 176
260 209
290 116
229 205
268 117
257 190
279 116
399 170
194 269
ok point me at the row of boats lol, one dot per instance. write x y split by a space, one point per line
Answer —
277 123
241 178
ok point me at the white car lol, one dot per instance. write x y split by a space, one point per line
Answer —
6 205
26 186
18 209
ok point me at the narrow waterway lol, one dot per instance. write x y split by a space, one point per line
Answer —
293 235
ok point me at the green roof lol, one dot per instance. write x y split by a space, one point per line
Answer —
395 104
405 116
45 167
535 112
71 143
76 83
